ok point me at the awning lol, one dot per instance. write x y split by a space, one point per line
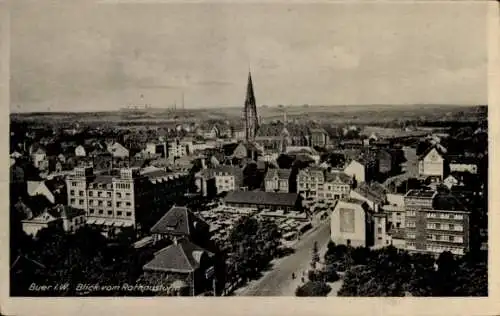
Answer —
91 221
128 224
119 224
99 222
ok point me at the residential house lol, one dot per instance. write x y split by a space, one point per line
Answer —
38 156
351 223
362 165
318 184
183 265
118 151
304 150
374 194
319 137
278 180
72 218
433 162
179 222
212 133
53 190
83 150
32 226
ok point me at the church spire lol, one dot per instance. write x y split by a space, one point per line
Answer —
251 120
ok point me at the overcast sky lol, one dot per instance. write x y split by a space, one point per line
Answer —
103 57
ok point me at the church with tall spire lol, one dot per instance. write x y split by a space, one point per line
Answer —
251 120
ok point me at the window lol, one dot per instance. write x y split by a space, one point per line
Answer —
74 184
110 204
72 192
80 193
128 203
72 201
438 226
99 193
410 224
398 225
109 194
430 237
127 194
379 230
451 216
91 202
119 213
118 195
410 213
101 212
110 212
398 214
451 227
91 211
91 193
451 238
118 204
410 236
99 203
80 202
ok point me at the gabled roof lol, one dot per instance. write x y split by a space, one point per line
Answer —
179 220
338 177
440 149
184 257
282 174
374 192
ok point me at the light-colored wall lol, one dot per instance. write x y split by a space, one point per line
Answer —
432 164
458 167
358 237
355 169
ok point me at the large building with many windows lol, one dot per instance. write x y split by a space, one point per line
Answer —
435 222
122 199
319 184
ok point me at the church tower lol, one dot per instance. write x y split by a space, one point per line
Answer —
250 112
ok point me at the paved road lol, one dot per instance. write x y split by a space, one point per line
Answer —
278 281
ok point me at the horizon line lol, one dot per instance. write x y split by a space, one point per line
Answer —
234 107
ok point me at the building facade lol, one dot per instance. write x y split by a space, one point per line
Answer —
121 200
318 184
278 180
432 163
435 222
351 223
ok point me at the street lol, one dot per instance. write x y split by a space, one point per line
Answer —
278 281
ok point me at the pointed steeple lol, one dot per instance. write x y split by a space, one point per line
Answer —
250 111
250 99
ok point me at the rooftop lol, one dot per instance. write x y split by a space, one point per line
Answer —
179 220
422 194
182 257
283 174
259 197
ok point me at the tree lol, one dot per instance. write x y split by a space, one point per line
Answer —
313 288
315 255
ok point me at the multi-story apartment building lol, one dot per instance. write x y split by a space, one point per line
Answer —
123 199
320 184
278 180
178 148
435 222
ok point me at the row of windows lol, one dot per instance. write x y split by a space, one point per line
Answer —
108 203
440 226
411 224
411 213
73 201
109 213
444 215
123 185
439 249
448 238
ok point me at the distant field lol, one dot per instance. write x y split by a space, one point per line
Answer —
335 114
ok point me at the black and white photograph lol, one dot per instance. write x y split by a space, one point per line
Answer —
248 149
